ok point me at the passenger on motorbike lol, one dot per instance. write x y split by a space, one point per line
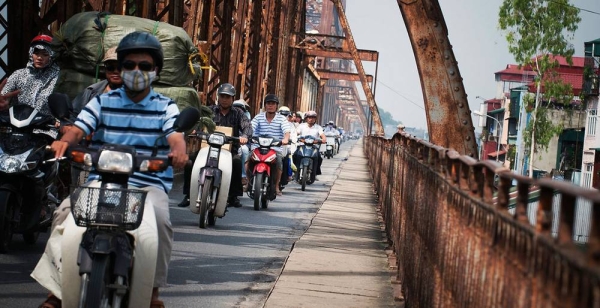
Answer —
309 128
226 115
36 81
244 149
287 149
113 81
134 108
275 125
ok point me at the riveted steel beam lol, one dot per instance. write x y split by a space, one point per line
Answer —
361 71
448 115
326 74
365 55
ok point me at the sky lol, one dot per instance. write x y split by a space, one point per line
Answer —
479 48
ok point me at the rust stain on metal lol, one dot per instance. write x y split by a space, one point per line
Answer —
441 82
359 67
468 247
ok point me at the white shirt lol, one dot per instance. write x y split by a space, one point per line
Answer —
304 130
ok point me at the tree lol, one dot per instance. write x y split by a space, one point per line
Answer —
386 118
536 32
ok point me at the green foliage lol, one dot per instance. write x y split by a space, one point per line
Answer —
386 118
538 27
537 30
511 154
544 128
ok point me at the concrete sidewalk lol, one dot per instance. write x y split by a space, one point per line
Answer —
340 261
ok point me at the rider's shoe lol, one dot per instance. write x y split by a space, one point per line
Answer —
234 201
185 202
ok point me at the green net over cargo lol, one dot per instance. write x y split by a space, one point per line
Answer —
83 39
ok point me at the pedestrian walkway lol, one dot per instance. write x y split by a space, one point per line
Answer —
340 260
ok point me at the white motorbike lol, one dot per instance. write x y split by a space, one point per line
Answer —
212 174
330 146
114 234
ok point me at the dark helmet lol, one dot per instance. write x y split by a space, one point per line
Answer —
41 39
227 89
271 98
140 41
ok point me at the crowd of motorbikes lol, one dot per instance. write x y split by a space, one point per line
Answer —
109 220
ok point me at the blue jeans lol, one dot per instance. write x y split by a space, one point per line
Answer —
244 153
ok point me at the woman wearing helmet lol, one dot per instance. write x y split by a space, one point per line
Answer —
34 83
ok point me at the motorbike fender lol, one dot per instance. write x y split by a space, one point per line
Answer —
306 162
214 173
262 168
10 187
225 162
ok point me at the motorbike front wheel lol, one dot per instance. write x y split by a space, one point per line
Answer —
258 181
205 203
96 292
6 215
303 177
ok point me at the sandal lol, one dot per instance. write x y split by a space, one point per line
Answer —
156 303
51 302
279 193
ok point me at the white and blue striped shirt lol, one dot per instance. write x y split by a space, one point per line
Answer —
276 128
114 118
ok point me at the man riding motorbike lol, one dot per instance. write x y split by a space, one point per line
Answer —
309 128
275 125
134 108
226 115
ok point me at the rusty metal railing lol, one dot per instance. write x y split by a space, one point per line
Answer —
457 244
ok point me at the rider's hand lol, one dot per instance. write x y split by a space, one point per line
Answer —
5 99
178 159
59 148
243 140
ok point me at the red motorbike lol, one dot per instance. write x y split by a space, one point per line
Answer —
263 157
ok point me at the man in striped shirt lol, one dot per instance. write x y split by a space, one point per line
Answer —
135 115
272 124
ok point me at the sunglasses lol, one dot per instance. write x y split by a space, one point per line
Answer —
143 66
112 67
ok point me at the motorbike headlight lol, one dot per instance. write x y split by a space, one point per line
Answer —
309 141
114 161
216 139
9 164
15 163
265 142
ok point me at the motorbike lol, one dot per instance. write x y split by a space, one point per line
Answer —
309 151
263 156
330 146
27 190
113 233
212 172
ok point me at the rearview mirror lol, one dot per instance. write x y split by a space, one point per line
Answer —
59 105
186 119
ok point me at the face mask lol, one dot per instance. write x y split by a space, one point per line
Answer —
137 80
